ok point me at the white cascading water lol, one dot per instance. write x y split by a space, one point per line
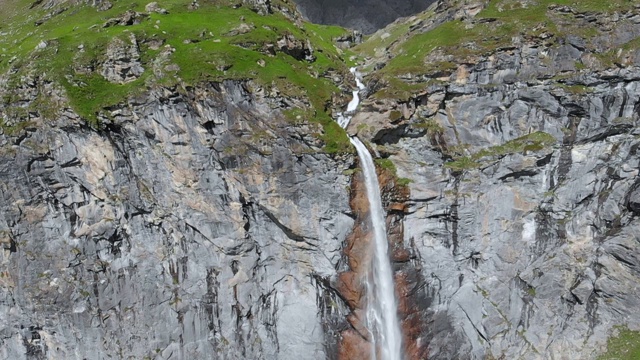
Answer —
382 317
344 119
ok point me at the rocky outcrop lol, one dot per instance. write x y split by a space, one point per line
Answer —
298 49
128 18
154 7
260 6
509 246
122 64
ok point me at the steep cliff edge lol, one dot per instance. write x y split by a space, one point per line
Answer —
191 225
516 125
173 185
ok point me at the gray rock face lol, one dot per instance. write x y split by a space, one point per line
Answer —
154 7
193 224
198 221
364 15
530 253
123 61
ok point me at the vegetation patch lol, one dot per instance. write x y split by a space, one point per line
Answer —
529 143
395 115
437 52
216 42
403 181
576 89
386 164
390 167
396 88
624 346
381 40
15 129
431 126
462 163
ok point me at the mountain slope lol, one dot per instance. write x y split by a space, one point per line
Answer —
102 55
173 185
516 125
364 15
171 192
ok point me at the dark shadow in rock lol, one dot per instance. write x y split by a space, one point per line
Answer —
363 15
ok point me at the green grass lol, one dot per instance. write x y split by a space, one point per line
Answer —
398 89
15 129
390 167
576 89
529 143
615 57
207 49
532 142
412 53
431 126
624 346
403 181
386 164
462 163
382 40
460 42
95 93
537 11
632 45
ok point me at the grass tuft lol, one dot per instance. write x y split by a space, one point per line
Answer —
529 143
624 346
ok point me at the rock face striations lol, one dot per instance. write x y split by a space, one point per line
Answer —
523 167
182 192
171 233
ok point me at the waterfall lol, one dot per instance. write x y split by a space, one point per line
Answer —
344 119
382 318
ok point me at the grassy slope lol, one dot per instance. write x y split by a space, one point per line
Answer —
462 40
624 346
206 49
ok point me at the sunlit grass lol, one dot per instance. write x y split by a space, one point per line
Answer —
213 43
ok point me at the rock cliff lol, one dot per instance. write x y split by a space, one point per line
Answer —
522 168
181 192
180 222
171 233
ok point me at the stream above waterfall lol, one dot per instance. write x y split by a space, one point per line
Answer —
381 313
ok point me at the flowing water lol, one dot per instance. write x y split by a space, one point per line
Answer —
382 317
344 119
